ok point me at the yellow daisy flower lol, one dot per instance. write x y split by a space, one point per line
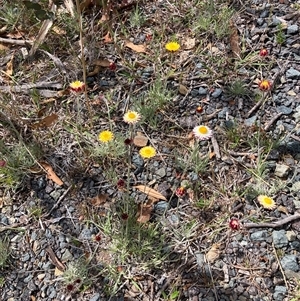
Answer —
106 136
266 202
132 117
77 86
172 46
202 132
147 152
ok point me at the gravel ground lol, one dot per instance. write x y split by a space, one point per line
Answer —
252 263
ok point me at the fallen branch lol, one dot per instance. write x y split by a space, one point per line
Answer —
255 108
273 225
26 87
269 124
16 42
216 147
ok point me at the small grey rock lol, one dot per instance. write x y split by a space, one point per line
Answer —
202 91
259 235
216 93
289 262
285 110
96 297
292 74
161 172
161 207
250 121
85 234
279 238
280 292
281 170
292 29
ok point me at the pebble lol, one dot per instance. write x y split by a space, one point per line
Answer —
202 91
289 262
217 93
281 170
259 235
292 74
280 239
285 110
161 172
280 292
96 297
292 29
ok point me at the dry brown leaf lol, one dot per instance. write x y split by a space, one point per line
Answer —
51 175
137 48
96 70
212 155
102 63
150 191
54 259
45 122
189 43
140 140
58 30
213 254
85 4
283 209
144 213
99 200
234 40
58 272
3 46
107 39
183 89
9 67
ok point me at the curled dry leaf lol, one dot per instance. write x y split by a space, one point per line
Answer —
107 38
98 64
51 175
45 122
213 254
9 66
234 40
144 212
189 43
99 199
183 89
140 140
150 191
137 48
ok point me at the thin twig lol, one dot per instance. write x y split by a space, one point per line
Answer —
280 266
273 225
16 42
269 124
255 108
216 147
58 201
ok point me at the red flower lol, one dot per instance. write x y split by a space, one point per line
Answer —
264 85
112 66
180 191
120 184
128 141
70 287
124 216
263 52
234 224
2 163
97 237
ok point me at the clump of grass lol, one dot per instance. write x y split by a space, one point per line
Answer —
214 19
236 89
156 99
76 276
19 158
4 253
